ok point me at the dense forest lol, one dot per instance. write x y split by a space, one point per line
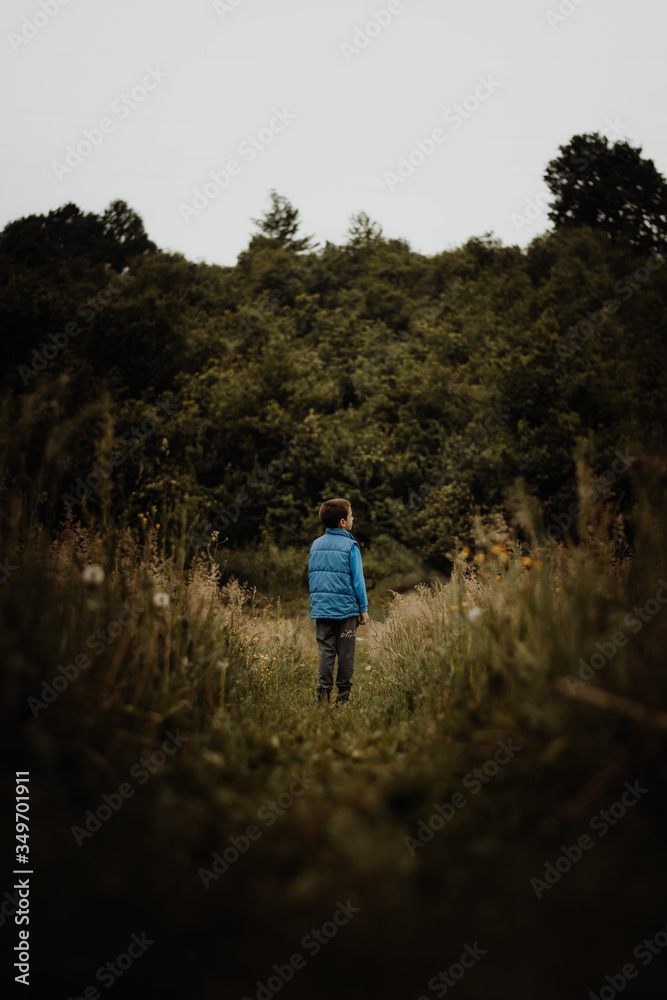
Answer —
420 387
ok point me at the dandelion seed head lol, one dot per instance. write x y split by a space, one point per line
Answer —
93 575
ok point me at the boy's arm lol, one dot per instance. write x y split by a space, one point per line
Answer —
358 582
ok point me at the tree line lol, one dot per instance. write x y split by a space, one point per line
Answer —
421 388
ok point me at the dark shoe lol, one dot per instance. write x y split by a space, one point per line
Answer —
342 700
323 695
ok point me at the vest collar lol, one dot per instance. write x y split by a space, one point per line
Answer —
340 531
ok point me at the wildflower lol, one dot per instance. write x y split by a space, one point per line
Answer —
497 549
464 604
474 614
454 607
465 551
526 561
480 557
161 600
93 575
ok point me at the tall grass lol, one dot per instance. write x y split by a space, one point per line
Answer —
449 671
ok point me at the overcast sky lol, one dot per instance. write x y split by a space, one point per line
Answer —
319 99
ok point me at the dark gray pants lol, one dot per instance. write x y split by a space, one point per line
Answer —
336 636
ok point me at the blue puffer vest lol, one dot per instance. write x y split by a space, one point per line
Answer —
332 594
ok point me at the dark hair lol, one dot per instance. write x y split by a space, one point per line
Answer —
332 511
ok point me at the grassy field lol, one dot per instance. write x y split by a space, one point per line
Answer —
489 806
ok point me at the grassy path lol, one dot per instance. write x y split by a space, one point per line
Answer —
414 823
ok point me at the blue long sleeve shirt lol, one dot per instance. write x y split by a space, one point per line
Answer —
358 581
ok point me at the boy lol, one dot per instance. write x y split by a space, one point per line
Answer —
338 599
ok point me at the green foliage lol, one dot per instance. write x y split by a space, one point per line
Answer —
421 388
281 223
271 569
612 189
68 234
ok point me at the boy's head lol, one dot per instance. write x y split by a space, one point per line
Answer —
332 512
